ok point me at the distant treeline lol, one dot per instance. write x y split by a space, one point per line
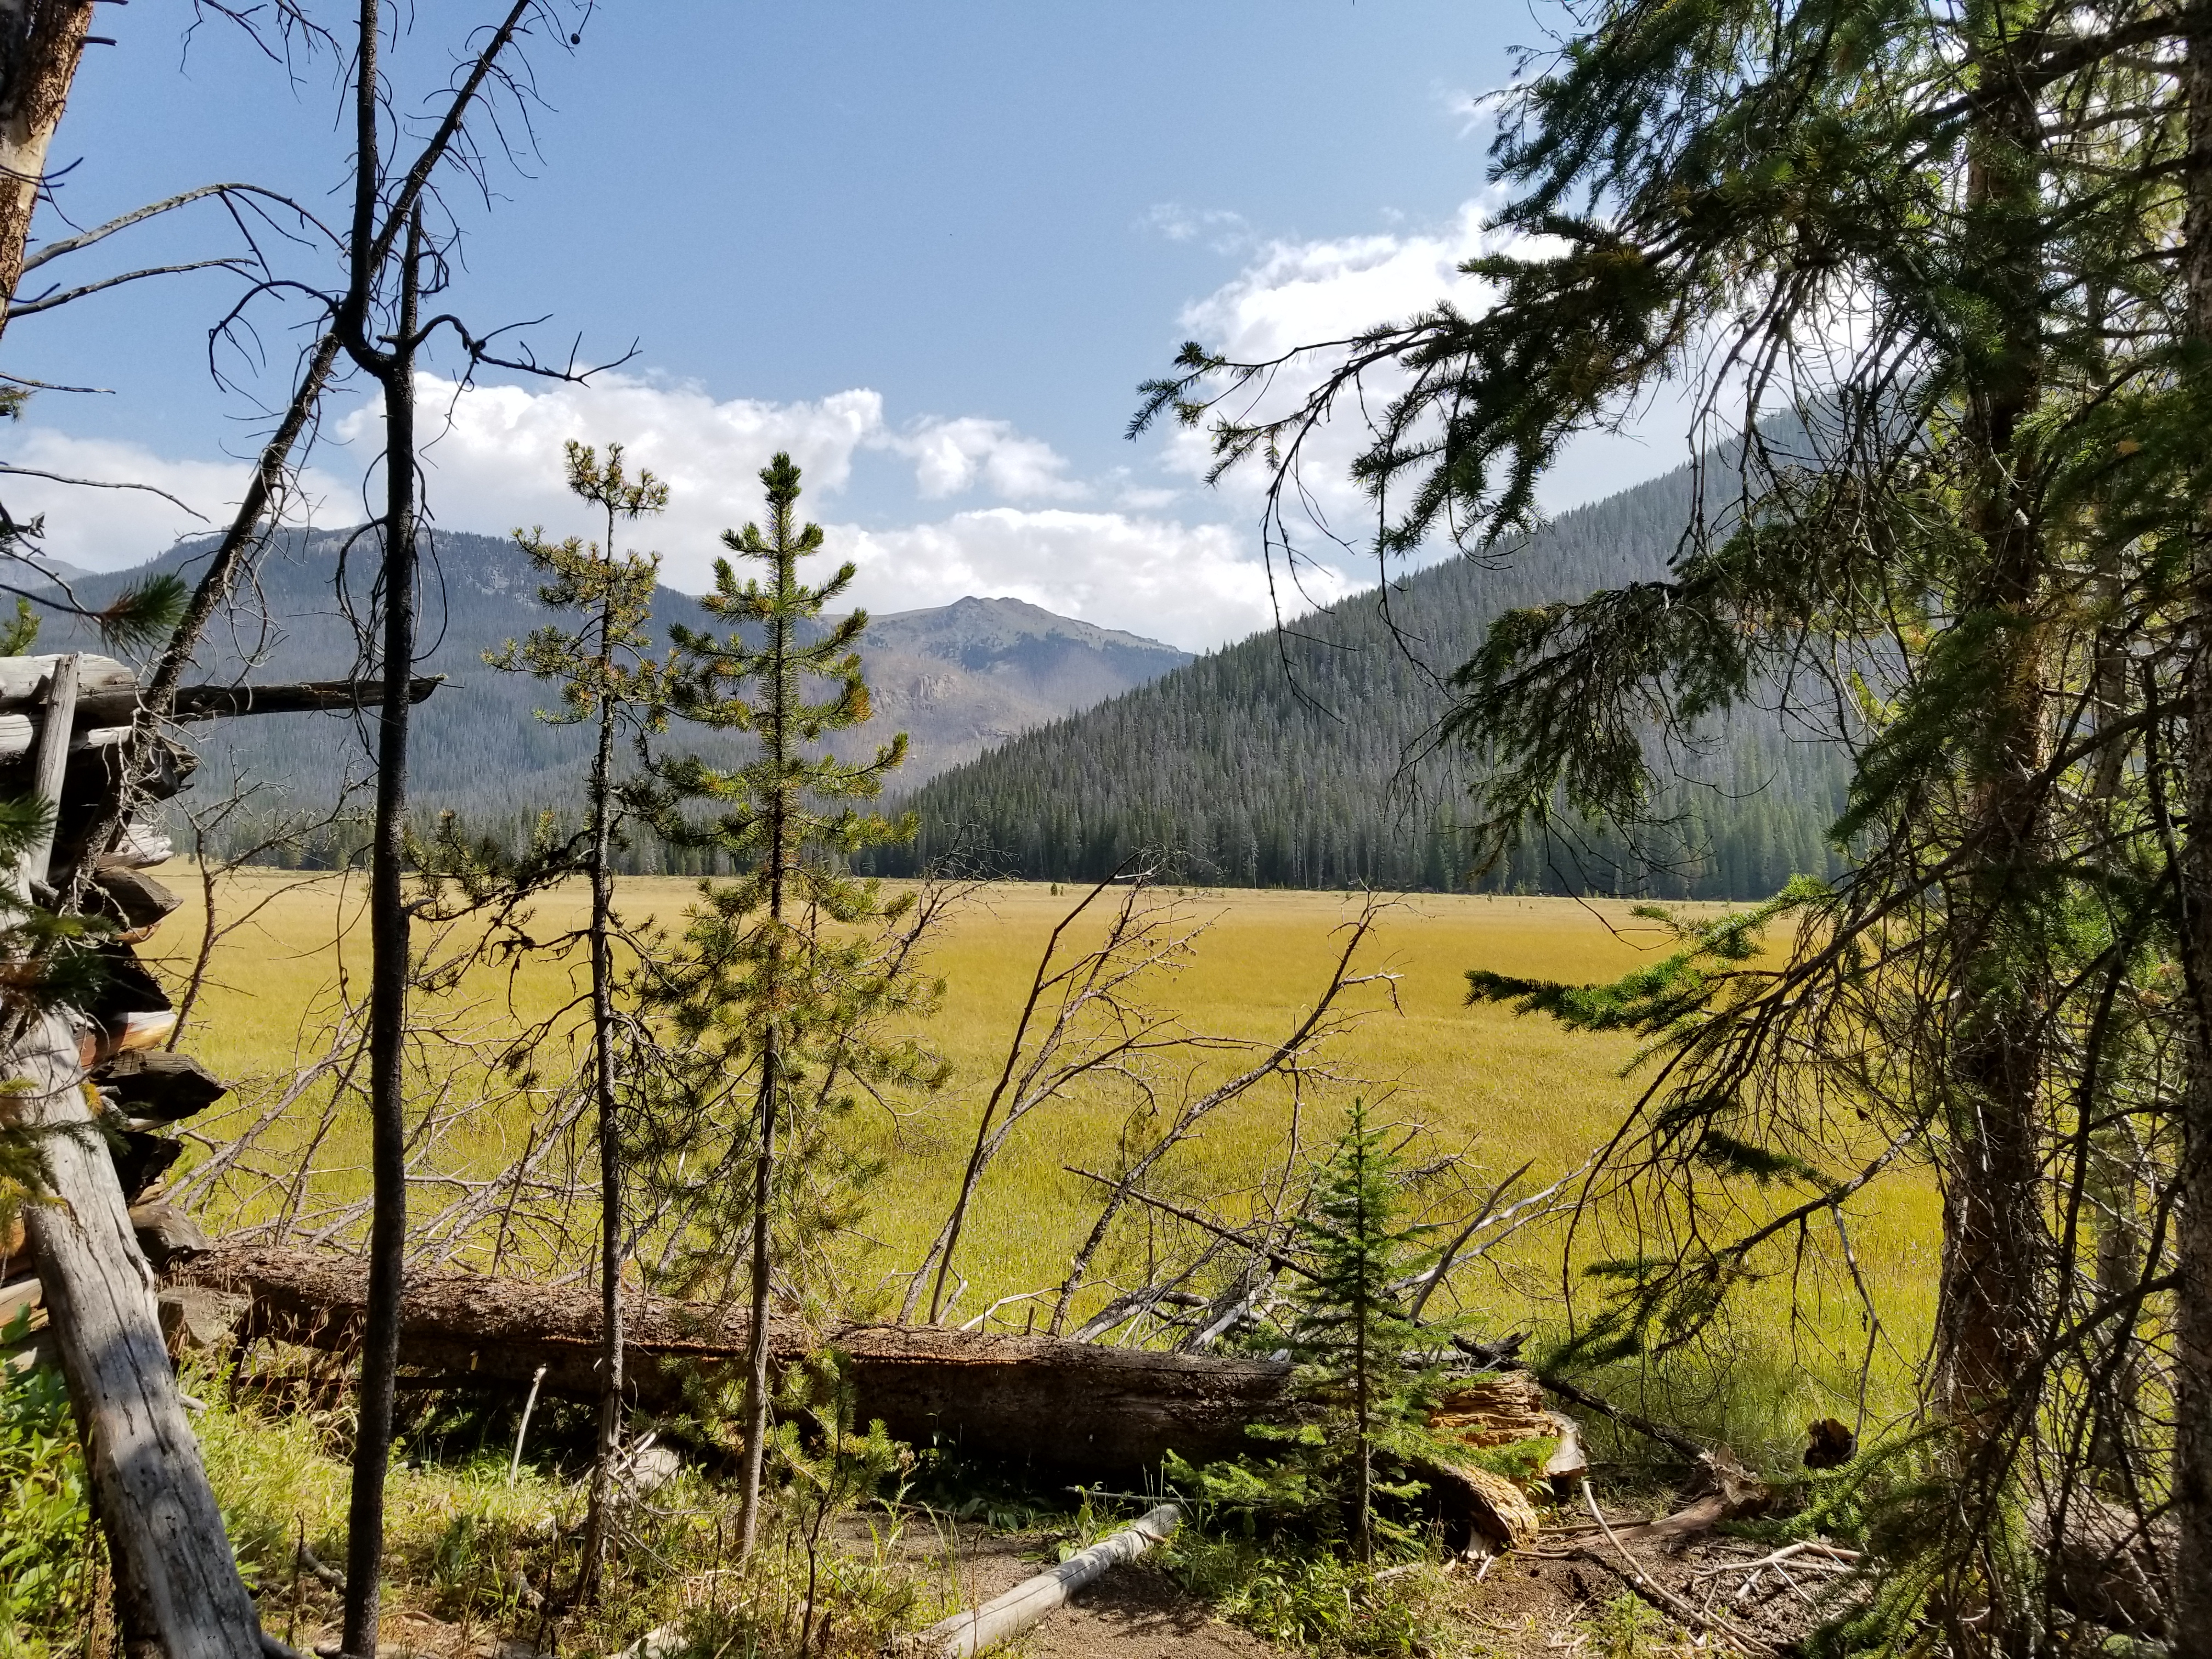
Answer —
1302 759
1306 759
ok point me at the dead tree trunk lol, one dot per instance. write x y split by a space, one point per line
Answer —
174 1573
41 41
1068 1406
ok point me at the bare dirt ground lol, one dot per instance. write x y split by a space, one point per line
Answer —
1553 1602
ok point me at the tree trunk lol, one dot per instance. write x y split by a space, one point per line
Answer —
176 1580
1070 1406
389 968
41 41
1992 1255
783 699
598 1518
2192 1451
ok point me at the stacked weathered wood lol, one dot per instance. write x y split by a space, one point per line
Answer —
65 737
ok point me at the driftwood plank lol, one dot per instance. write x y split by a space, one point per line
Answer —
174 1567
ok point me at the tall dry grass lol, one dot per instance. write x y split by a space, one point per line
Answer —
1496 1089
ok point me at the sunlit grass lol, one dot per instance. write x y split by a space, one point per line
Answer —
1500 1089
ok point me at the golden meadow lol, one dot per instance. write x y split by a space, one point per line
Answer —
1498 1089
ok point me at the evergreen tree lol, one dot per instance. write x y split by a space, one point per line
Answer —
786 975
1935 247
1351 1331
608 678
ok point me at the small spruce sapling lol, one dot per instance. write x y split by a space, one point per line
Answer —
1364 1412
1352 1332
830 1465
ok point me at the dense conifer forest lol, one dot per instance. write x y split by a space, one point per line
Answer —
1307 759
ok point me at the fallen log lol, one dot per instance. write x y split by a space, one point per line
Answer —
998 1621
1070 1405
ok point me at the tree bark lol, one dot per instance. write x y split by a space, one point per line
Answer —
41 41
176 1580
389 968
2192 1451
598 1518
1992 1254
783 699
1065 1406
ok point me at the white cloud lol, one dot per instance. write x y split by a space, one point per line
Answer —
1299 293
1225 232
1194 585
492 454
104 529
950 456
493 463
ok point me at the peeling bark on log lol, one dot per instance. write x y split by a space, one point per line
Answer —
1509 1408
173 1568
1069 1406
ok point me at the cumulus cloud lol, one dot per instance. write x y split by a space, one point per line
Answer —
1300 294
491 464
1194 585
491 455
951 457
1116 548
97 528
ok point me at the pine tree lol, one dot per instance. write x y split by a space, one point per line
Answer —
1351 1331
1932 252
787 974
607 676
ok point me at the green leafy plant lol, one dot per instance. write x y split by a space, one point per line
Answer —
49 1565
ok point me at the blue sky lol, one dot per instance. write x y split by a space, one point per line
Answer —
931 247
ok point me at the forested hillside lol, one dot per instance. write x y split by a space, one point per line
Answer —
1318 775
956 679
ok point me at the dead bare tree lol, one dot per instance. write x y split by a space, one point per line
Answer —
1296 1058
1079 1022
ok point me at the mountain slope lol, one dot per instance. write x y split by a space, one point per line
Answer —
956 678
1314 777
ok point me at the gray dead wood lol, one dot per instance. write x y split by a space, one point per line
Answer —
141 900
975 1630
48 767
159 1086
107 696
172 1560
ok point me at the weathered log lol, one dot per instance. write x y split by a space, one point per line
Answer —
204 702
1069 1406
1508 1409
49 763
23 680
159 1086
166 1234
978 1630
139 899
1483 1513
108 698
172 1560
